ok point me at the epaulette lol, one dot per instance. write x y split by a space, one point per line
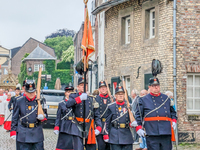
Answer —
111 103
19 97
73 92
61 101
93 96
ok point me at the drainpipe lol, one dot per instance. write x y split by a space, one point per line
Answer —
174 62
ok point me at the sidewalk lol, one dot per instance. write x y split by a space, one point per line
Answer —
184 146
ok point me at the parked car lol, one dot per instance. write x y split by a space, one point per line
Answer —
53 97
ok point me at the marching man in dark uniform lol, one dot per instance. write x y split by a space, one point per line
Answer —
157 117
117 131
26 125
103 99
13 99
64 125
92 117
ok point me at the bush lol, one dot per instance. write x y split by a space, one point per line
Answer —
49 65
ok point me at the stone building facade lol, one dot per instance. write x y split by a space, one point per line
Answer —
127 58
136 32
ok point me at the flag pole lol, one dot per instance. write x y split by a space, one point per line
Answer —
84 132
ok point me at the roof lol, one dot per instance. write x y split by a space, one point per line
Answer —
106 5
5 63
14 51
39 54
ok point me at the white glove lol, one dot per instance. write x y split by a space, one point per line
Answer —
83 96
106 140
40 117
13 137
96 132
56 132
134 124
174 125
141 132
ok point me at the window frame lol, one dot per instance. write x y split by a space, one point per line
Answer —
193 110
128 88
126 30
39 65
151 19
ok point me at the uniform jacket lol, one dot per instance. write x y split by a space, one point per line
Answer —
103 107
24 106
12 102
112 128
91 112
65 125
147 104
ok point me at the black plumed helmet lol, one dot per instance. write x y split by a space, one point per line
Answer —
156 67
30 86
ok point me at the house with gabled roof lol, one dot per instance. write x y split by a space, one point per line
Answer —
35 59
29 46
4 61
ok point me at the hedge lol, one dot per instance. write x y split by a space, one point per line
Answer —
64 65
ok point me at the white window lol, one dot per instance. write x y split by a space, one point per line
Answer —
127 30
5 71
37 66
152 23
193 93
128 84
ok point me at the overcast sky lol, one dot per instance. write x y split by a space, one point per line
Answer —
22 19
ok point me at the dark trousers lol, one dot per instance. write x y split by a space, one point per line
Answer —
162 142
65 141
121 147
78 144
30 146
101 144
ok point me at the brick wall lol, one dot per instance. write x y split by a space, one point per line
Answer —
78 50
188 61
28 47
31 63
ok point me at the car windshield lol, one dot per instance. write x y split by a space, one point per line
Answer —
53 97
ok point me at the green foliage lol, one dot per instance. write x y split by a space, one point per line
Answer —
64 65
64 76
35 77
23 72
59 44
68 55
49 65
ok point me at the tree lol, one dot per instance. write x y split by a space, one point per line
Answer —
68 55
23 74
59 44
62 32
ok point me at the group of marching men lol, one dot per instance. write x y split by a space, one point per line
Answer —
107 123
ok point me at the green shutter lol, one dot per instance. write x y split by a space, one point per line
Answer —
146 80
114 79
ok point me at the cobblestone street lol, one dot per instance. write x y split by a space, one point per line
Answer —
6 143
